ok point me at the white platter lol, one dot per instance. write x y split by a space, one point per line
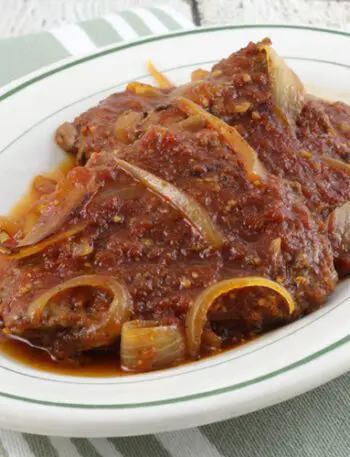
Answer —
277 366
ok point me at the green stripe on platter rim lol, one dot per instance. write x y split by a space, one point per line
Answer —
197 396
214 392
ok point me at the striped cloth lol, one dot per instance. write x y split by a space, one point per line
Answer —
314 425
76 40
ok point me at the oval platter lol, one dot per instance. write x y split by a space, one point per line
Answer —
277 366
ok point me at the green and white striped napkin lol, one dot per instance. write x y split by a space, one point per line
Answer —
78 39
314 425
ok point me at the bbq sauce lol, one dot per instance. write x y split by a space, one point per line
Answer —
102 363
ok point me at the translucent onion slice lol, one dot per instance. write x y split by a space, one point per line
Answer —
245 153
192 211
197 313
339 225
287 89
123 193
126 125
162 81
60 205
54 239
339 231
337 164
118 312
146 345
210 340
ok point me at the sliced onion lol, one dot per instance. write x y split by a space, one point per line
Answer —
54 239
193 212
146 345
337 164
126 124
275 250
67 198
118 312
193 123
245 153
122 193
56 210
287 89
339 225
197 313
83 248
210 340
162 81
199 74
339 230
144 89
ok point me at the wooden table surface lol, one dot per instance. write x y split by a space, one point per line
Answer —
18 17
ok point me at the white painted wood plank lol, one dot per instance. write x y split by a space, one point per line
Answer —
20 17
321 13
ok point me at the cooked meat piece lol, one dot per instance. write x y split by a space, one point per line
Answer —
147 242
324 127
297 137
112 123
312 152
240 91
